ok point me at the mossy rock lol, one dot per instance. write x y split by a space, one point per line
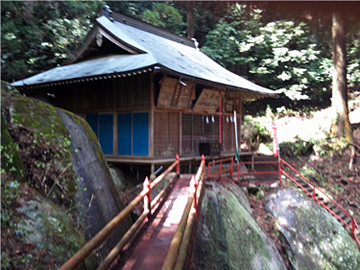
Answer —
65 163
228 237
11 162
51 230
313 237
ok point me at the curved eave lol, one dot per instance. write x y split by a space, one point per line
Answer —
86 79
246 94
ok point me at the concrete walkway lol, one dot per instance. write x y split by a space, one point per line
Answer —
151 251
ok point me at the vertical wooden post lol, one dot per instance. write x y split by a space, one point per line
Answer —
180 134
208 168
220 115
232 168
220 171
193 187
115 133
147 197
178 165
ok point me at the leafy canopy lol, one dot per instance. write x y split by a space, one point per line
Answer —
281 55
36 36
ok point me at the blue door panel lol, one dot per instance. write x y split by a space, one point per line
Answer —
124 134
141 134
106 133
93 120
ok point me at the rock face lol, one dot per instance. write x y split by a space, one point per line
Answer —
96 197
63 161
228 237
11 161
50 229
314 238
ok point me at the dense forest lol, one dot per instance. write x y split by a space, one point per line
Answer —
308 52
282 46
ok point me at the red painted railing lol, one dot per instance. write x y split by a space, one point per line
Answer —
353 225
256 172
280 172
221 171
180 251
100 236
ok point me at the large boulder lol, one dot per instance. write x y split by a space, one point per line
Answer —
64 162
228 237
314 239
11 162
48 228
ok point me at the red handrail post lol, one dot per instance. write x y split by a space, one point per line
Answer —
232 168
147 197
238 165
314 193
203 160
193 186
352 227
178 165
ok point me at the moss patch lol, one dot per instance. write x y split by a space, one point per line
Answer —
11 162
228 237
44 145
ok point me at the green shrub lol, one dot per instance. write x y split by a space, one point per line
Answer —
254 132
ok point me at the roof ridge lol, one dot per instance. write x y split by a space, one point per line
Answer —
121 18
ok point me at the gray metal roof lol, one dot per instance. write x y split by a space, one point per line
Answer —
102 66
170 55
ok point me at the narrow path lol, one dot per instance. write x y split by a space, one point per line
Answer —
151 251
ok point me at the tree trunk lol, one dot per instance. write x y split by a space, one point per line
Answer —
190 19
341 126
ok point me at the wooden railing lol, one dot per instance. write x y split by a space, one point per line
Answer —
179 255
145 195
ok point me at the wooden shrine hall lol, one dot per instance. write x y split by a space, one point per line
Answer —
148 94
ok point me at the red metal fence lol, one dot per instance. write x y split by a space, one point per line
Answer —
318 195
324 197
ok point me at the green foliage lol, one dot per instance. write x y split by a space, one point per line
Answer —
36 35
254 132
165 16
300 112
353 67
45 148
281 55
11 162
299 147
311 173
9 194
330 146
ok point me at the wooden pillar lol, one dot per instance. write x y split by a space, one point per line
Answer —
152 171
115 133
180 134
151 116
115 120
240 117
